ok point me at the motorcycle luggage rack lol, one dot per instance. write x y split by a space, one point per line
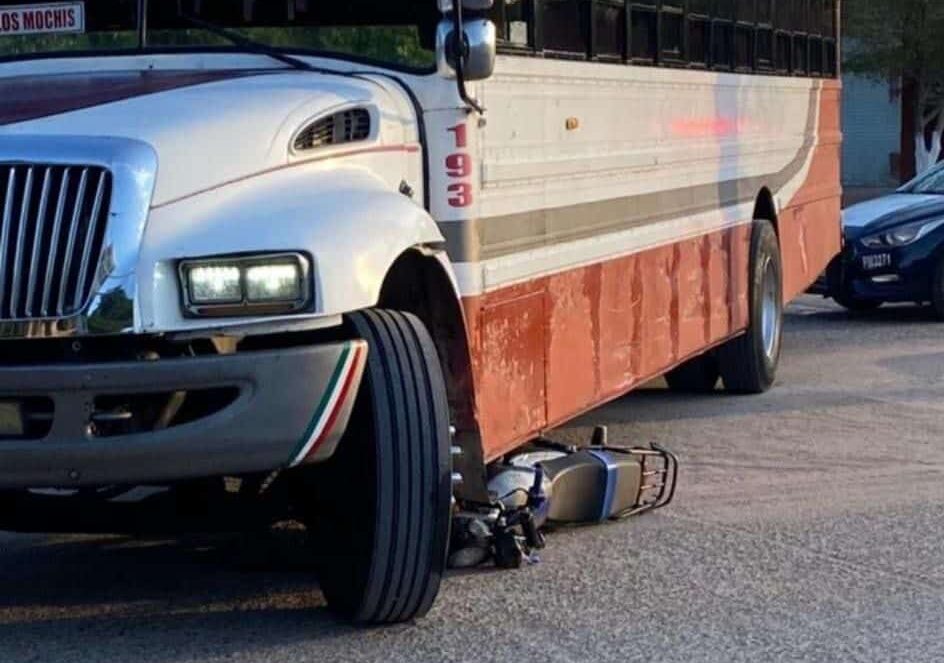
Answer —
662 480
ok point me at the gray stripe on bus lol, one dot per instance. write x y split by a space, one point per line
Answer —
493 237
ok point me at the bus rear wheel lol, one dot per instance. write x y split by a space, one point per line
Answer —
748 363
380 508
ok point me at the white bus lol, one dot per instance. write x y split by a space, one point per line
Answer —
332 254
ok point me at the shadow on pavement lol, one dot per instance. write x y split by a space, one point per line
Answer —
238 570
173 636
661 405
899 314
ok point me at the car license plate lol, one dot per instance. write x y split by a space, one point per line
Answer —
877 261
11 419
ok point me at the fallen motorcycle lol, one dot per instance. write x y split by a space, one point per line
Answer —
551 485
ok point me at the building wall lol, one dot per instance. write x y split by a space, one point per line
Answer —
871 118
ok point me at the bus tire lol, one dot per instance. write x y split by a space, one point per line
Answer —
748 363
698 375
381 526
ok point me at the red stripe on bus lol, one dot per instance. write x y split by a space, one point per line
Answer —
339 405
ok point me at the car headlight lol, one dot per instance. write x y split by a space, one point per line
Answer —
902 235
269 284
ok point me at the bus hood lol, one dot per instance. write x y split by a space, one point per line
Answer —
207 127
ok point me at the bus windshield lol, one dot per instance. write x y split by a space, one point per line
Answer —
398 33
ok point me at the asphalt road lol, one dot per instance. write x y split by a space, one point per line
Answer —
808 525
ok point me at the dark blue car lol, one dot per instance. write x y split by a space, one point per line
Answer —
893 249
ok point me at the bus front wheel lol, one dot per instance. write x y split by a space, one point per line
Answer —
748 363
379 510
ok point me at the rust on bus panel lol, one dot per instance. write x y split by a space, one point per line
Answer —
807 246
627 319
508 370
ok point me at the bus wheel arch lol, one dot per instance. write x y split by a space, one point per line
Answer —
766 209
418 283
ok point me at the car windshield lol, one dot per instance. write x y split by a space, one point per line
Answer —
931 182
397 33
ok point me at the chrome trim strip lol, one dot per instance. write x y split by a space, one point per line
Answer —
37 239
77 208
89 236
20 238
56 229
5 233
133 168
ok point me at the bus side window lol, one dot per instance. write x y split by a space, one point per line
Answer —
672 35
764 44
515 22
722 34
644 36
564 26
787 37
609 29
722 41
699 33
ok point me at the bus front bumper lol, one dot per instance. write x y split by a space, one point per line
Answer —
270 410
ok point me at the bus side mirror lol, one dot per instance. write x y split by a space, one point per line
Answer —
478 49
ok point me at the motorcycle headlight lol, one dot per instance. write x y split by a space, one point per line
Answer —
269 284
902 235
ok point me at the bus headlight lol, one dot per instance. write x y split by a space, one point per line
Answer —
274 283
270 284
214 284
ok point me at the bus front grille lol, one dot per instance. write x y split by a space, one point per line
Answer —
52 229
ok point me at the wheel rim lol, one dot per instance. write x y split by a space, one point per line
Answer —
770 310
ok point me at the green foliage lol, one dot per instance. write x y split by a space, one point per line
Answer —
896 38
903 39
400 45
395 44
95 41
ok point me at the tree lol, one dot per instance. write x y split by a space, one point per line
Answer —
903 40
